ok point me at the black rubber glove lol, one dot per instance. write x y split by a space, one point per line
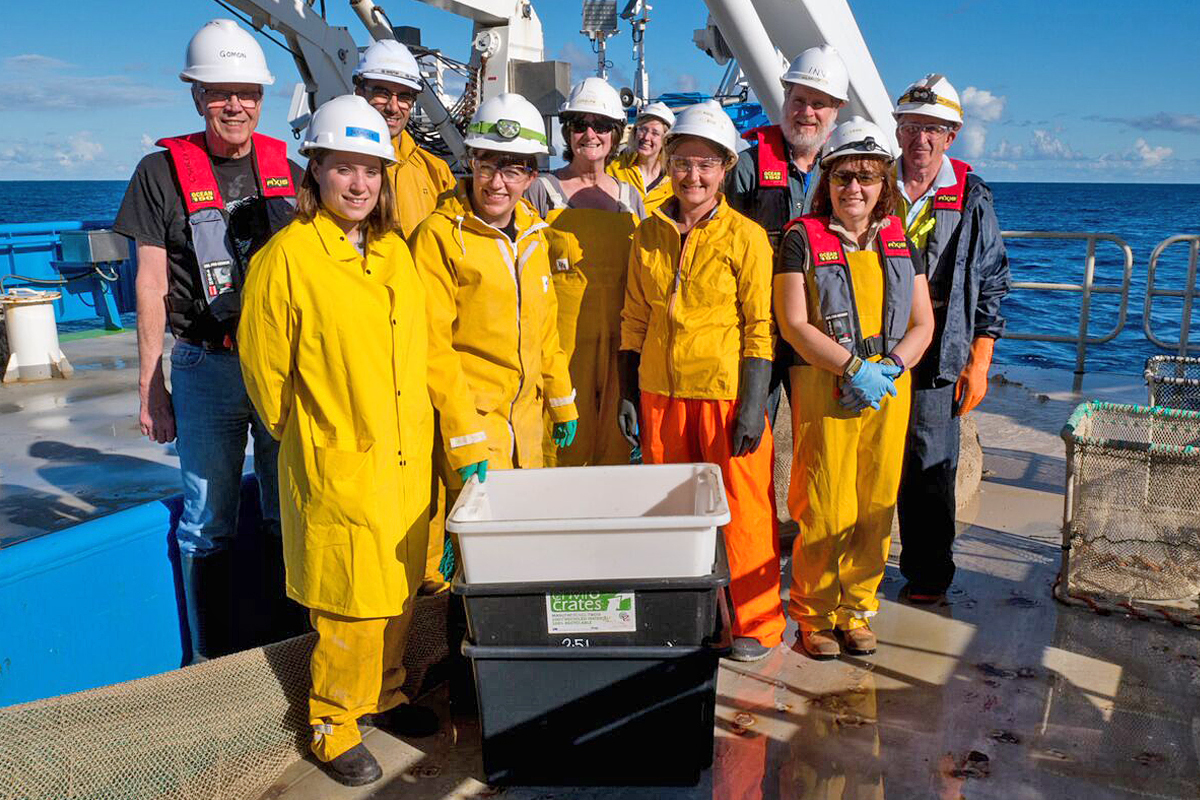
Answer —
628 362
752 406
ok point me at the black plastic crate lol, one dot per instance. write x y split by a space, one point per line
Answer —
662 611
598 716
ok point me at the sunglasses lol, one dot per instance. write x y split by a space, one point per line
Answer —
842 177
597 124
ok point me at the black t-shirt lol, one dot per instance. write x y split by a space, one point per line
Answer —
793 252
153 213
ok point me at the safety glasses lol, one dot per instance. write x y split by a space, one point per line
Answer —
221 97
843 177
684 165
916 129
509 173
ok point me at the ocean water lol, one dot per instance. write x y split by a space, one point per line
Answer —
1141 214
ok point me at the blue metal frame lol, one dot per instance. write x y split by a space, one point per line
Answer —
34 250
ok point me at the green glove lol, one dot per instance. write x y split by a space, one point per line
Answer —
478 469
564 433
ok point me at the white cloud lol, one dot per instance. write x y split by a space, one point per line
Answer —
1045 145
81 149
980 107
35 81
1151 156
33 61
147 143
686 83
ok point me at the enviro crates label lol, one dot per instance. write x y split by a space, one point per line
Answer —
591 613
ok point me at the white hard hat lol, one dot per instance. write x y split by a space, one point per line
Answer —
658 111
932 96
594 96
508 123
348 124
389 60
221 52
856 136
707 120
821 68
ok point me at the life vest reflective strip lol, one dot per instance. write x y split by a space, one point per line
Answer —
772 156
208 223
835 289
947 211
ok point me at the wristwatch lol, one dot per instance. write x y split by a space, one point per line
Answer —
852 367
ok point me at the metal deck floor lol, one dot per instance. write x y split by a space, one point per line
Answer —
999 693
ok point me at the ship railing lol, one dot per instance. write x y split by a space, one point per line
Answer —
1082 340
1187 293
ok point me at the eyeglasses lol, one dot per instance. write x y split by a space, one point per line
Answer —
916 129
842 177
383 95
598 125
221 97
509 173
684 165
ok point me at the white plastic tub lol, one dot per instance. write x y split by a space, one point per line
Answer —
581 523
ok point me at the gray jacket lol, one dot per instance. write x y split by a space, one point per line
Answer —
978 281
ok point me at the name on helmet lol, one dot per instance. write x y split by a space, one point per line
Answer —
232 54
362 133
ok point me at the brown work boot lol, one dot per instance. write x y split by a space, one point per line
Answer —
859 641
820 645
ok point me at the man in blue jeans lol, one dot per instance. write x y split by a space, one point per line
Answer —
198 210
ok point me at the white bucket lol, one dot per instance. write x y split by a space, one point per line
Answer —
33 336
590 523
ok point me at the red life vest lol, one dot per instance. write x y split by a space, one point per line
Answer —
830 272
221 273
772 156
952 198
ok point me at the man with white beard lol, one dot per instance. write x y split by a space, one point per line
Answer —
774 180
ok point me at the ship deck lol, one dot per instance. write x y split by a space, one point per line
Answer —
1000 692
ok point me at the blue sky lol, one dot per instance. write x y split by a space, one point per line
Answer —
1065 90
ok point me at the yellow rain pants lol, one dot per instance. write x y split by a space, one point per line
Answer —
357 668
589 259
845 477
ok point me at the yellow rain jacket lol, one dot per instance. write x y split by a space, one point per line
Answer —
333 350
494 356
624 168
418 177
694 315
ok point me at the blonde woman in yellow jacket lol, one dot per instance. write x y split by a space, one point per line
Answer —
332 342
643 164
696 345
495 363
591 217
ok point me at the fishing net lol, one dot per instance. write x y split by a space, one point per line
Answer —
221 730
1174 381
1132 523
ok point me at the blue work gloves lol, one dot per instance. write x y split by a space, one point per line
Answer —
751 418
563 433
869 385
628 362
478 469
